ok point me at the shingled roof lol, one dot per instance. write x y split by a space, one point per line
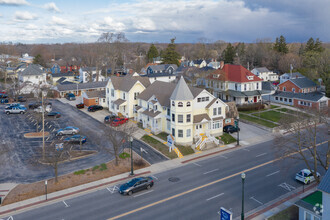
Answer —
303 82
90 85
125 83
32 70
182 91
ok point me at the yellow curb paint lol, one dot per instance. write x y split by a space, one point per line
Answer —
150 134
222 145
198 152
165 142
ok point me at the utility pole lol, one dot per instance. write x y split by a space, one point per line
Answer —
43 125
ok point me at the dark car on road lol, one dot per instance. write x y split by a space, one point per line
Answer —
54 114
75 139
109 118
135 185
70 96
230 129
80 105
94 108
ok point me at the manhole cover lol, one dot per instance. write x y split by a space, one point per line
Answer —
173 179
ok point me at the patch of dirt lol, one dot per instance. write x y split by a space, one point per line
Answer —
27 191
36 134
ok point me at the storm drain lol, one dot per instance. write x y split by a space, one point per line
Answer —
174 179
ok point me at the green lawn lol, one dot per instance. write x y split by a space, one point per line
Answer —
274 106
291 213
270 115
159 146
185 150
162 135
282 109
258 121
227 138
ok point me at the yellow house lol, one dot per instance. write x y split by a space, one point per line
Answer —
122 92
190 114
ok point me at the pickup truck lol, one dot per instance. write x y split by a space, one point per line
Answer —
15 110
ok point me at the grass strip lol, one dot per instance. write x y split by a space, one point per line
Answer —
159 146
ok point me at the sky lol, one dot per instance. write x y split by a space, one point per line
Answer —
157 21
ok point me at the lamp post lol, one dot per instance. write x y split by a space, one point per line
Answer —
131 141
243 178
237 130
43 124
46 188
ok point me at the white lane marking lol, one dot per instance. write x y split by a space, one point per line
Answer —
245 149
261 155
211 171
272 173
53 129
143 193
214 196
66 205
50 126
113 189
224 156
47 139
256 200
287 186
154 177
143 150
197 164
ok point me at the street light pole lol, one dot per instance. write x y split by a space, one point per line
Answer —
43 125
243 178
46 188
131 141
237 130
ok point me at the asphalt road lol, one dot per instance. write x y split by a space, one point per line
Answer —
199 191
17 164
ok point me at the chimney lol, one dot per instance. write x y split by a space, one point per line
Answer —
222 63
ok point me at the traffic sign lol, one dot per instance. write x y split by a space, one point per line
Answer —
225 214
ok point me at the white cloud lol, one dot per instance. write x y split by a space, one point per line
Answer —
113 25
13 2
31 27
25 15
60 21
51 7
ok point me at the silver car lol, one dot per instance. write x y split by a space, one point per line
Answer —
15 110
67 130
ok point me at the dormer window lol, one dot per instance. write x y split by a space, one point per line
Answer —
250 77
188 104
180 104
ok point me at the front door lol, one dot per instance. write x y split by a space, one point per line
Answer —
255 98
199 128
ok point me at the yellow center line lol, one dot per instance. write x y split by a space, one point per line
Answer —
206 185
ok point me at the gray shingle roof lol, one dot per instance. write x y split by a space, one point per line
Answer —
294 75
211 103
312 96
200 117
85 69
61 74
303 82
266 85
182 91
96 94
325 183
90 85
119 101
262 69
125 83
151 113
32 70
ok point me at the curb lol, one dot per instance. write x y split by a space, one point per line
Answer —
68 194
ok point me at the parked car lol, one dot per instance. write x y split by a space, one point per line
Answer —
3 96
230 129
80 105
15 110
94 108
306 176
14 104
109 118
70 96
20 99
54 114
37 104
40 109
118 121
67 130
75 139
4 101
135 185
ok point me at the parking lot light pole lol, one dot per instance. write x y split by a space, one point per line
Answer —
46 188
43 125
243 178
131 141
237 130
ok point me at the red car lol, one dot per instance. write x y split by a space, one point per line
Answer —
118 121
80 105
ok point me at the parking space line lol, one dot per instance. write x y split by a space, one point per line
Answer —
211 171
143 193
214 197
256 200
66 205
154 177
245 149
197 164
261 154
224 156
272 173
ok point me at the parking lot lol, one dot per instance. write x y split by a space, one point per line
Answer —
18 164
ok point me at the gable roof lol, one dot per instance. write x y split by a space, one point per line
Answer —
85 69
62 74
311 96
96 94
325 183
181 91
201 117
198 62
293 75
32 70
234 73
90 85
303 82
126 83
262 69
266 85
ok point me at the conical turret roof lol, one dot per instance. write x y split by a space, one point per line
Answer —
182 91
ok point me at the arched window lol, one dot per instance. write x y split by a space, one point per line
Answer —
188 104
180 104
173 103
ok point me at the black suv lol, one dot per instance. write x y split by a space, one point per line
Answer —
135 185
230 129
70 96
94 108
109 118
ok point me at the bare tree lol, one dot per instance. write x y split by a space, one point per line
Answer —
117 136
300 141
